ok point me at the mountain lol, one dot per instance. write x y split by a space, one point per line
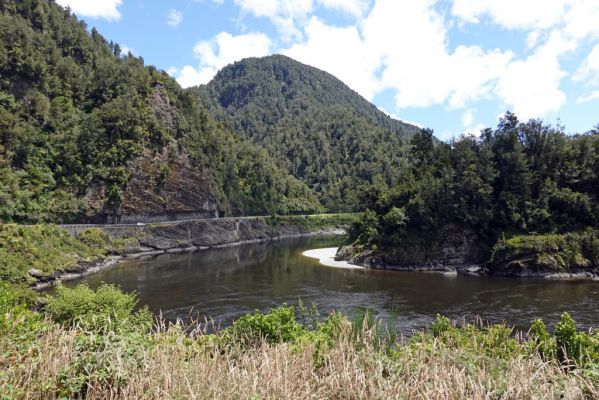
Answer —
88 133
312 125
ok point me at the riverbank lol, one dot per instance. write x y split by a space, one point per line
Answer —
569 257
113 260
39 256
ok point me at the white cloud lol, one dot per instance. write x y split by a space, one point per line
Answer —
577 18
532 39
468 118
589 69
188 76
219 51
282 13
512 14
357 8
174 18
341 52
581 19
532 86
422 72
419 67
107 9
125 50
403 46
225 48
592 96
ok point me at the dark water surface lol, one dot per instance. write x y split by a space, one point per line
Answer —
225 283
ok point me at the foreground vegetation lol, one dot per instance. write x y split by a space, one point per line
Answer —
98 345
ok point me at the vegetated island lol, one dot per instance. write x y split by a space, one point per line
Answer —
520 200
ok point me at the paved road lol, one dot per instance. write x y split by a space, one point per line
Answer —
182 221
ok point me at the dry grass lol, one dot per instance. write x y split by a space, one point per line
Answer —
176 367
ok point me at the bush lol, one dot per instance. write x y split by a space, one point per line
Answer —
279 325
111 339
95 237
440 326
106 309
542 340
568 346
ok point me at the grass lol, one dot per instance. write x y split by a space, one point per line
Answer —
46 248
276 356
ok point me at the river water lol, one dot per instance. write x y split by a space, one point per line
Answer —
223 284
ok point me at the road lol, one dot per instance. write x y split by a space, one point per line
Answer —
188 220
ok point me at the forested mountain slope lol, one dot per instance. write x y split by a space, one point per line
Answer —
312 124
87 132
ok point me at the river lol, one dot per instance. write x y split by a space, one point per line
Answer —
223 284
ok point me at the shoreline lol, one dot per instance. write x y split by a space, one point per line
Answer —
110 261
476 270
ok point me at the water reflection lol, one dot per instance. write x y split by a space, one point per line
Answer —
225 283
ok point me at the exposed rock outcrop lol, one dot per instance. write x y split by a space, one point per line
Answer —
452 248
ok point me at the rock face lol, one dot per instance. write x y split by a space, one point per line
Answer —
189 235
452 249
163 184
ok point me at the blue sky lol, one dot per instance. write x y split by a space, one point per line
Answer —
451 65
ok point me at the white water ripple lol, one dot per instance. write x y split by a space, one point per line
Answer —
326 257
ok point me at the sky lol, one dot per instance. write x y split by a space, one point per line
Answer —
454 66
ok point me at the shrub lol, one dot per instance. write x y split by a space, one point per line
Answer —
279 325
440 326
111 337
106 309
542 340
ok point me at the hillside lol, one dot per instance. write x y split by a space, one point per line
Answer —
311 124
88 133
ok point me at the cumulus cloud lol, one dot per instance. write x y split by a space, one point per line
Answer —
219 51
174 18
341 52
589 69
532 86
421 72
592 96
404 47
282 13
468 118
357 8
107 9
512 14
